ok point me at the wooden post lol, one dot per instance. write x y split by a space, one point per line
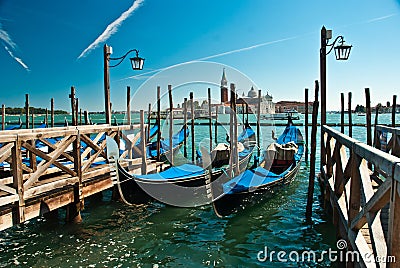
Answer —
148 123
394 222
210 118
143 143
76 111
216 125
46 119
171 124
158 122
128 105
258 123
106 55
322 54
52 112
192 122
368 116
86 116
80 116
394 111
185 126
231 139
342 112
72 97
3 116
235 132
27 111
350 117
18 183
311 179
306 120
74 209
33 119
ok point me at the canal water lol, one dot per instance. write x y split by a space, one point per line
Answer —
113 234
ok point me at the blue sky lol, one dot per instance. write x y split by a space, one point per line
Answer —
274 43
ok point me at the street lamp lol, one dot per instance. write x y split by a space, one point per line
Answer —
137 64
342 52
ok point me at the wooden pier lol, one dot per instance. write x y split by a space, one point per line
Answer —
360 184
58 167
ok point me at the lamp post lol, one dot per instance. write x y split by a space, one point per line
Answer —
342 52
137 64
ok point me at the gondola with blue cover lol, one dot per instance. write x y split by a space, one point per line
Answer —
185 183
279 166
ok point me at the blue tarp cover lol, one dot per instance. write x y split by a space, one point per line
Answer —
252 178
178 172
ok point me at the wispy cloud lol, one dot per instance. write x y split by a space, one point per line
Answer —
19 60
144 75
5 37
9 46
111 28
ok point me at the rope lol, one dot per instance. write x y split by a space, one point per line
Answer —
118 182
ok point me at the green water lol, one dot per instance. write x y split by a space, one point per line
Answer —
154 235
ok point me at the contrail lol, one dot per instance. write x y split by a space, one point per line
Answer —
381 18
216 56
19 60
112 28
8 42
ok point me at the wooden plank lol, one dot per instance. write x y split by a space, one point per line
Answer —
355 188
143 139
7 189
5 151
394 219
48 158
54 146
377 202
92 144
18 183
6 221
66 141
91 159
8 199
58 184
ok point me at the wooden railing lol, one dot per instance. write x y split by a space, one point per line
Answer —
44 160
361 199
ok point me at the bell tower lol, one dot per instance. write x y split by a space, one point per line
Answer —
224 88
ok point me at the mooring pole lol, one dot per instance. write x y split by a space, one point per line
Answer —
143 143
192 123
76 110
368 116
350 117
171 124
216 125
258 123
33 119
209 118
185 126
52 112
148 123
3 116
306 120
342 112
27 111
72 97
158 122
86 117
128 105
311 179
394 111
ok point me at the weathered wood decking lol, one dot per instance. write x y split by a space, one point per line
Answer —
55 167
365 201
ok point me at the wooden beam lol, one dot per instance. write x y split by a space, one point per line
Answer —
66 141
18 183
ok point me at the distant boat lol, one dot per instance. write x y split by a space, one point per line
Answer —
279 166
361 114
293 114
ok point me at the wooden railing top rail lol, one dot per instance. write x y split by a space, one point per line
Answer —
11 135
388 163
392 130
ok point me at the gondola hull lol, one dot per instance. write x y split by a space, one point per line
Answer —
231 203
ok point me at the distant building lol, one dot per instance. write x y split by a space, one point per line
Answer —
283 106
266 104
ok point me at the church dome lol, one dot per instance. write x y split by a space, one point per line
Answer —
252 93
